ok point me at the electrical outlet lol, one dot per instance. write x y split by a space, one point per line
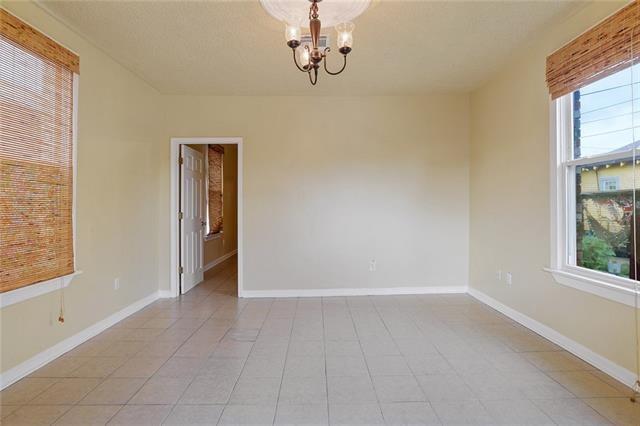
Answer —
509 278
499 275
116 284
372 265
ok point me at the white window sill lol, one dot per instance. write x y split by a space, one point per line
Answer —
605 287
34 290
213 236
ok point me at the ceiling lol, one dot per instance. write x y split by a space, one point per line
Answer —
236 48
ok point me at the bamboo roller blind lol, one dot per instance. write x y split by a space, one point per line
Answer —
610 46
36 164
215 155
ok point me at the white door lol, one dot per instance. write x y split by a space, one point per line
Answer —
192 223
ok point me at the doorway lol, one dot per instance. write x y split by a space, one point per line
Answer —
206 208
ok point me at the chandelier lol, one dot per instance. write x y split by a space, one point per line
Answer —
308 52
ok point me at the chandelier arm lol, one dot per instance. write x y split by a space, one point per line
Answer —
314 80
295 61
344 64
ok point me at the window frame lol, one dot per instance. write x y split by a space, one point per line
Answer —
37 289
563 224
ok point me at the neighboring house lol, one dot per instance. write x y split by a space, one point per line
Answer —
605 193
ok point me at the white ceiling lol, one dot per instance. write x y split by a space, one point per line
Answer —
236 48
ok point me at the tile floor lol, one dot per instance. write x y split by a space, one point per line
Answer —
210 358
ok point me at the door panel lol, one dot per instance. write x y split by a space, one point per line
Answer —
193 216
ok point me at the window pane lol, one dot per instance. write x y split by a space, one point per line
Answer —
605 114
604 210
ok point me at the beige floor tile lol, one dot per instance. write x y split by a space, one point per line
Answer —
60 367
122 349
355 414
162 323
141 415
260 366
620 411
248 415
462 413
222 367
445 387
409 413
256 391
303 390
556 361
180 367
142 334
516 412
583 384
304 366
25 390
429 364
66 391
397 389
99 367
626 390
160 390
431 359
346 366
307 414
88 415
205 390
388 366
35 415
91 347
356 390
139 367
159 348
570 412
6 410
114 391
194 415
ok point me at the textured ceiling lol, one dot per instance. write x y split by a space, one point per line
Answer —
236 48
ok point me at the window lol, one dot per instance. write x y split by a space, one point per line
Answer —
596 149
609 183
215 160
36 156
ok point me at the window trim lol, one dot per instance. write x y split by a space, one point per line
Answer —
37 289
611 287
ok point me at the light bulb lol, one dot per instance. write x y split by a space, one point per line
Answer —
345 34
304 57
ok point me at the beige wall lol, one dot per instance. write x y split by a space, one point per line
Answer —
510 201
115 209
227 242
330 183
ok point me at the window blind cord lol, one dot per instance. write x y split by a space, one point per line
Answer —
61 316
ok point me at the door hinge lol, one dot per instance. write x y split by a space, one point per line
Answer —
180 215
180 160
181 270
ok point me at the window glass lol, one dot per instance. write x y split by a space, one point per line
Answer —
604 210
605 114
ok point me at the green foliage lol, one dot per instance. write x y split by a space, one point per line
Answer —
596 253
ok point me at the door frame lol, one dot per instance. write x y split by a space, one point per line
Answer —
175 206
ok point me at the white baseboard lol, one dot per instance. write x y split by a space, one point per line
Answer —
331 292
614 370
27 367
165 294
219 260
